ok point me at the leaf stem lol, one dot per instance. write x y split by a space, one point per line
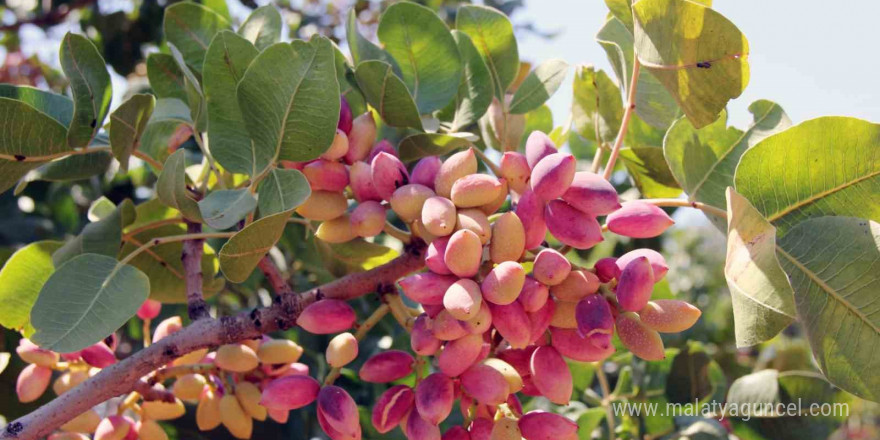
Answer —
146 158
400 311
687 204
49 157
627 115
359 335
398 233
606 393
495 169
172 239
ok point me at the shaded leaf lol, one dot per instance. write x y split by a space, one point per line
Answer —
21 279
649 172
127 125
165 77
195 98
475 91
262 27
59 107
168 127
223 209
363 49
419 145
492 34
28 138
75 167
171 187
190 27
387 94
241 254
90 85
539 86
282 190
102 237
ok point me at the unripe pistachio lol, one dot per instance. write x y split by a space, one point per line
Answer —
463 299
279 351
341 350
422 339
640 339
503 284
149 309
113 428
496 204
418 230
519 359
238 358
533 295
592 194
360 138
505 428
476 221
669 315
67 436
388 173
33 354
190 358
564 315
32 382
417 428
361 177
512 323
327 316
85 422
455 167
456 432
446 328
387 366
434 256
464 253
294 369
572 227
539 321
408 201
427 287
638 219
485 384
480 323
458 355
161 410
326 175
576 286
530 210
606 269
551 375
189 386
337 230
511 376
434 398
98 355
236 421
323 205
290 392
635 285
551 267
475 190
509 244
147 429
278 415
167 327
481 428
383 146
249 397
339 147
425 171
543 425
538 146
345 116
552 176
339 411
515 168
208 411
595 321
69 380
391 407
658 263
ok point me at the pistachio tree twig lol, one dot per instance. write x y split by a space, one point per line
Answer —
191 256
624 123
359 335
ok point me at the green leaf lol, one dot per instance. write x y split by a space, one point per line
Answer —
171 187
127 125
100 209
359 254
363 49
223 209
588 421
704 160
28 139
190 27
21 278
262 27
622 12
475 91
701 69
540 119
596 103
654 104
816 168
241 254
282 190
195 98
86 300
90 85
165 77
763 302
691 377
424 49
102 237
539 86
493 36
833 264
387 94
75 167
348 87
649 172
297 121
225 63
171 118
419 145
59 107
218 6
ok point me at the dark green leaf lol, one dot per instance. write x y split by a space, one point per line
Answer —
282 190
475 91
241 254
28 139
223 209
127 125
90 85
76 167
165 77
387 94
102 237
171 187
59 107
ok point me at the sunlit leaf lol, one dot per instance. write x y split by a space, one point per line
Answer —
282 190
596 105
21 279
539 86
262 27
475 91
492 34
241 254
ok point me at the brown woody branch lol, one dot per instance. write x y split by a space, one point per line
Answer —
125 376
191 256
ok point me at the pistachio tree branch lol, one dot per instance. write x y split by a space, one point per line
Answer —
192 267
624 124
122 377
